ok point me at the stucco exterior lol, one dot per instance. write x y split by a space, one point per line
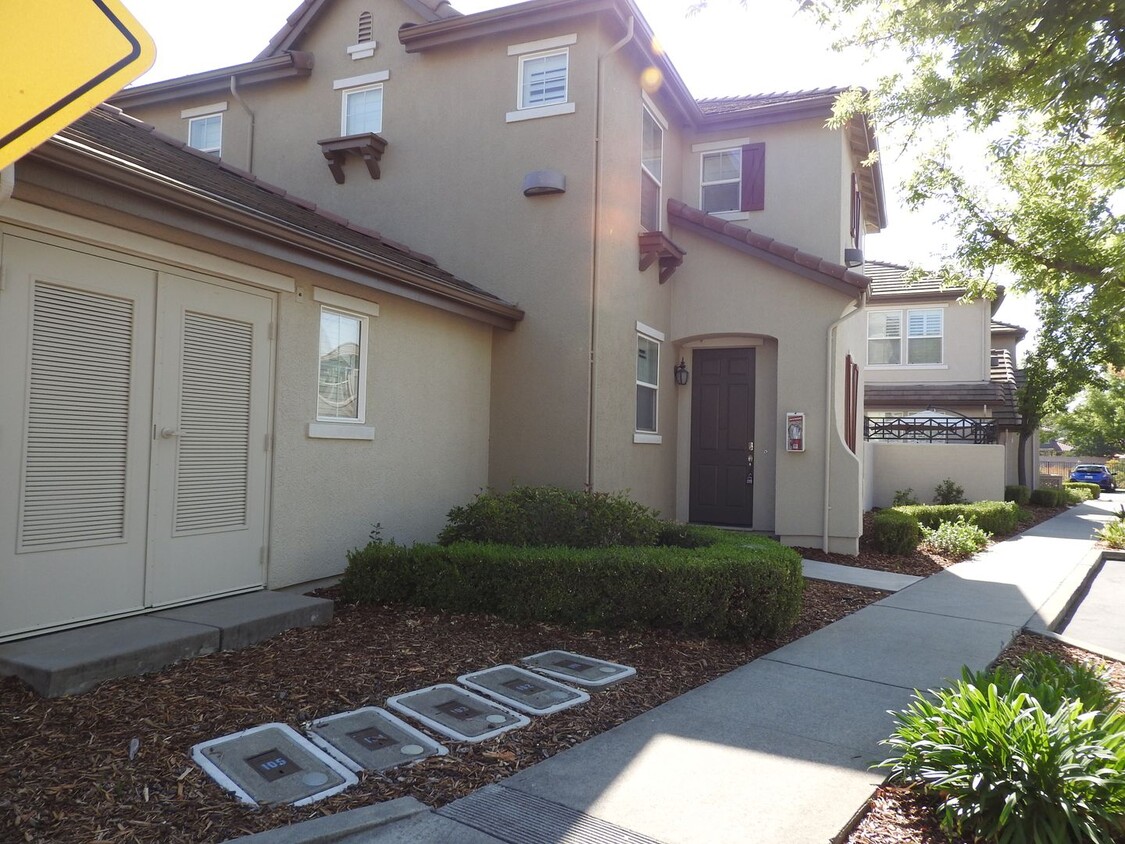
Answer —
979 469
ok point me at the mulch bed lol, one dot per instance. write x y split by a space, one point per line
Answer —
65 768
921 563
898 815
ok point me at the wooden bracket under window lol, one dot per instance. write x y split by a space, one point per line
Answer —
655 246
367 146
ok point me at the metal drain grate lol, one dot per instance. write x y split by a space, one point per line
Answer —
519 818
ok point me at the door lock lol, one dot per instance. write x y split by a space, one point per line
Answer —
168 433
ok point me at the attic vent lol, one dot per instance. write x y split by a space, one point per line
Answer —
364 28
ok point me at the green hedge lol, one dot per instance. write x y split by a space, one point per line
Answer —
896 532
741 587
1047 497
996 517
1018 493
1094 490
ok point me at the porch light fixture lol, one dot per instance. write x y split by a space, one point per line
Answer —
681 373
544 183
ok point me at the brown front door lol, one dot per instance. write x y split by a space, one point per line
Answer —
722 436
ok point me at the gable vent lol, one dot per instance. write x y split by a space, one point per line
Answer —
213 458
364 28
76 446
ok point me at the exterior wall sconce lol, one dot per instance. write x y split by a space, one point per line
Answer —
680 371
853 258
544 183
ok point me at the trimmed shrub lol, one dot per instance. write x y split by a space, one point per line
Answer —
1008 767
957 539
996 517
1045 497
1094 490
896 532
948 492
545 516
1076 495
676 535
740 587
1018 493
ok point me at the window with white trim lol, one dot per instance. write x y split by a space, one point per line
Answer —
652 167
205 133
543 79
342 370
720 181
920 328
362 110
648 382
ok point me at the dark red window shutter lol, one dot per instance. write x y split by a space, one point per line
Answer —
753 177
857 213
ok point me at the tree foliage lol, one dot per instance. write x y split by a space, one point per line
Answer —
1096 425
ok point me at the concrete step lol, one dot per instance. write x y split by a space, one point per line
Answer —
73 661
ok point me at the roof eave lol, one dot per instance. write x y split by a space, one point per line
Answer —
284 66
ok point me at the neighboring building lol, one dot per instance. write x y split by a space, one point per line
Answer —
939 371
545 151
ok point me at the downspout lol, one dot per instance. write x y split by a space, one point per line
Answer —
591 400
830 405
250 144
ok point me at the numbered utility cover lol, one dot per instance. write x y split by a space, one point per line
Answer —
372 739
584 670
272 764
526 691
457 713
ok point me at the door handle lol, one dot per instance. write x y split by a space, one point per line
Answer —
168 433
750 462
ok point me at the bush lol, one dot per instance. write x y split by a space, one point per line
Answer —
1076 495
1008 768
1018 493
904 496
957 539
739 587
546 516
1051 681
675 535
996 517
1113 534
948 492
1094 490
1045 497
896 532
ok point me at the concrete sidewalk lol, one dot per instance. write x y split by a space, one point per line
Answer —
777 751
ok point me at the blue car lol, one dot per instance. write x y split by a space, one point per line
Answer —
1092 473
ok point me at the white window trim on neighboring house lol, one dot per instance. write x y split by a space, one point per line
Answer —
200 114
904 337
530 51
648 107
656 337
357 85
360 310
728 213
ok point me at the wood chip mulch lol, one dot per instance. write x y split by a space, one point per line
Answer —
898 815
67 773
921 563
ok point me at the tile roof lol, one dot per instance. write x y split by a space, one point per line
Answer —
774 251
890 280
998 327
750 102
971 396
126 143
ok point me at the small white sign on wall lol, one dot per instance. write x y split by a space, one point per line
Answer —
794 431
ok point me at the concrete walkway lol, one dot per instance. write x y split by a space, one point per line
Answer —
777 751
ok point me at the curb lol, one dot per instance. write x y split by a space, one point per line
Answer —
333 828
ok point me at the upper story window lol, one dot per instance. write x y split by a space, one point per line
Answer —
362 110
652 169
543 84
732 179
923 337
205 127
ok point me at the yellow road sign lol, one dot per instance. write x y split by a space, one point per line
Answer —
59 59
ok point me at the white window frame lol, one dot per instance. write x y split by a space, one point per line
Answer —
360 89
523 102
647 108
647 332
532 50
731 213
203 118
904 338
361 310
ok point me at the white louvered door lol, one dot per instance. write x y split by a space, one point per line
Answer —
210 421
76 341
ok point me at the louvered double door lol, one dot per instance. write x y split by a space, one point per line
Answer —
133 451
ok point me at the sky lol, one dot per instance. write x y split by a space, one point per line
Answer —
725 50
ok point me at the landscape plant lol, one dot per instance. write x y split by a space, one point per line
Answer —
1113 533
956 540
1047 497
1006 766
896 532
948 492
1019 493
996 517
903 497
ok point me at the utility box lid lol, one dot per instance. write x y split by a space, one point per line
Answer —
457 713
270 765
576 668
372 739
523 689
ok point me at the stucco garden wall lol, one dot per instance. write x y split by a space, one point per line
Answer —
922 466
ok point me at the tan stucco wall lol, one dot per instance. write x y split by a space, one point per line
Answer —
965 347
427 399
922 466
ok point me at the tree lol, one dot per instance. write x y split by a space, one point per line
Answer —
1096 425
